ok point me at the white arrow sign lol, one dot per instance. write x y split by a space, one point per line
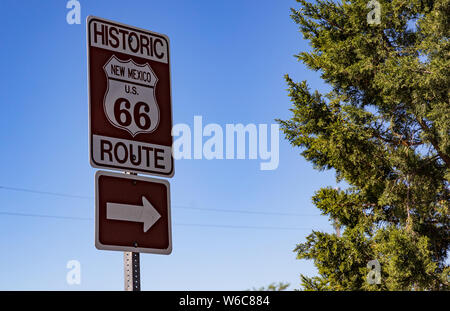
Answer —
144 213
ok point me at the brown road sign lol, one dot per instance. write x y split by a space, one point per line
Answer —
130 110
132 213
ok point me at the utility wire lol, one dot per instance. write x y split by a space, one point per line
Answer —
176 224
44 216
245 211
175 206
47 193
244 227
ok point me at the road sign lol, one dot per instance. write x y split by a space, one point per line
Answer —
132 213
130 110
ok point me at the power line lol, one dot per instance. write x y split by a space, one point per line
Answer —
44 216
245 211
176 224
244 227
67 195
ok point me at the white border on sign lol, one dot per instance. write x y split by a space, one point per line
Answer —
101 246
125 169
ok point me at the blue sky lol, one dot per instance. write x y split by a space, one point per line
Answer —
228 59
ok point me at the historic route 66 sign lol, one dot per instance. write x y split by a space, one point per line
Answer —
130 109
130 101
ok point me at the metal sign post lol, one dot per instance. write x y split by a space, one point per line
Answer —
130 130
132 216
132 267
132 271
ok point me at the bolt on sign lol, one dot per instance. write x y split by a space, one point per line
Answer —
130 110
132 213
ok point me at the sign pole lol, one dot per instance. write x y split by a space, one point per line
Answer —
132 271
132 267
139 91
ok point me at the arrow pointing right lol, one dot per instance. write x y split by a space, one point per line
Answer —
144 213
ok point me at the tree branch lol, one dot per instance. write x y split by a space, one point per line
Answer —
434 142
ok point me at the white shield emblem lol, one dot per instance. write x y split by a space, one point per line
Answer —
130 102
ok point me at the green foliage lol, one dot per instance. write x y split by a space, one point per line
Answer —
273 287
385 129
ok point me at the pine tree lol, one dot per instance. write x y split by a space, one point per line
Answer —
385 130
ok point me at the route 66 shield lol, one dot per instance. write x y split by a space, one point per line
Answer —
129 102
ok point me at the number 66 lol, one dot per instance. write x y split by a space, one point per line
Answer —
139 117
